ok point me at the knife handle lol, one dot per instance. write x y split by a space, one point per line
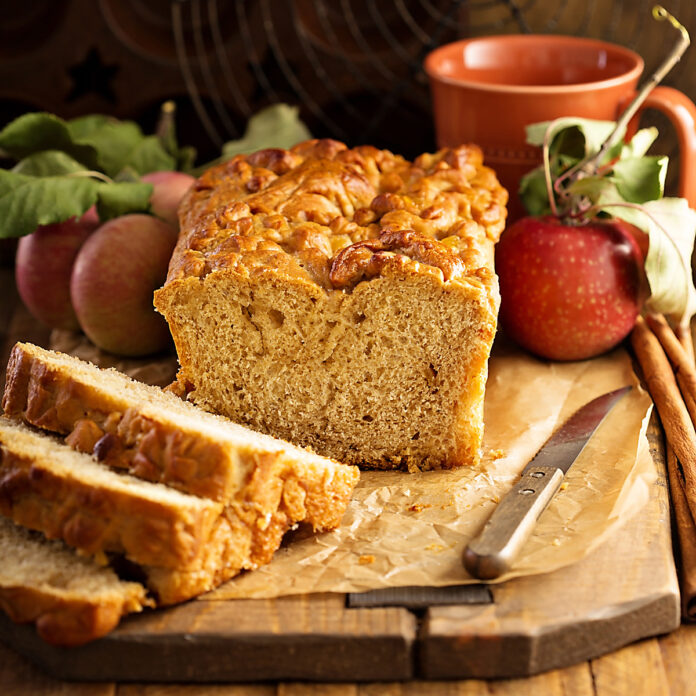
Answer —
494 550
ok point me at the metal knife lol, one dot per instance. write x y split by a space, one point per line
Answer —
494 550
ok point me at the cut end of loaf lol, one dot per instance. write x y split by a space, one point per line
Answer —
389 375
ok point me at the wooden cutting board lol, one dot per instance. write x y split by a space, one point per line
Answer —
626 590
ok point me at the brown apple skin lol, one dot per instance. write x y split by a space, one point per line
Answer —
169 189
113 281
43 266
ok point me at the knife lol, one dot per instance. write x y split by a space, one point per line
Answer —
494 550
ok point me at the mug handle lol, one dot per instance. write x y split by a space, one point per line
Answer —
681 111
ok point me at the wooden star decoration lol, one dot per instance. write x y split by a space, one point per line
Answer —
92 76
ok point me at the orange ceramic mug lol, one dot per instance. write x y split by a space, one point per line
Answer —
486 90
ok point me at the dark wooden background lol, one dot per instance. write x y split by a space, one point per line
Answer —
353 66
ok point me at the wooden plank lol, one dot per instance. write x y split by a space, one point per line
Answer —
195 690
301 689
637 670
679 657
624 591
423 688
311 638
574 681
18 677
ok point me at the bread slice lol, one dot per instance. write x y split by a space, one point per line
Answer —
47 486
71 598
342 299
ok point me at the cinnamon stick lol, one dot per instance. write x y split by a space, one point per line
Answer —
683 520
684 368
686 536
674 415
684 336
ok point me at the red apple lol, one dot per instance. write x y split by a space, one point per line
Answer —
569 292
169 189
43 266
113 281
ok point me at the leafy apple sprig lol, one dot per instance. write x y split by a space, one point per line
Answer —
590 171
63 168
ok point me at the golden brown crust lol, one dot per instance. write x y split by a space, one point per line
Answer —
294 211
279 495
68 621
95 518
282 491
120 436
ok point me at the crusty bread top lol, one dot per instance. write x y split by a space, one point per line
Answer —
333 216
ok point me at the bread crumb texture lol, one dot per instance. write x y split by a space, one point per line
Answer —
342 299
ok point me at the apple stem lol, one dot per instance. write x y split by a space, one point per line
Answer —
659 14
550 186
592 163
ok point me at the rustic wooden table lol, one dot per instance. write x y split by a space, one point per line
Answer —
653 667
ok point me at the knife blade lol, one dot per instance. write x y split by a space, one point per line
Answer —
494 550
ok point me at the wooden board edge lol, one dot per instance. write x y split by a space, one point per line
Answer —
200 657
555 646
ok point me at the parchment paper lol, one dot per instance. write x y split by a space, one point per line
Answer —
411 529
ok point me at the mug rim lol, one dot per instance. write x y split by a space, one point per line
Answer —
431 69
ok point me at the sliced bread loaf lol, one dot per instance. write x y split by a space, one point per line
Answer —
159 437
252 527
267 486
71 598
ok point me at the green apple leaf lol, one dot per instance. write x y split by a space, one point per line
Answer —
533 193
121 144
532 188
640 179
595 188
640 143
83 126
48 163
29 201
671 226
185 159
97 142
149 156
593 133
121 198
278 125
34 132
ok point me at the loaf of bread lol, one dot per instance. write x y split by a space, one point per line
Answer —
71 598
189 497
341 299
